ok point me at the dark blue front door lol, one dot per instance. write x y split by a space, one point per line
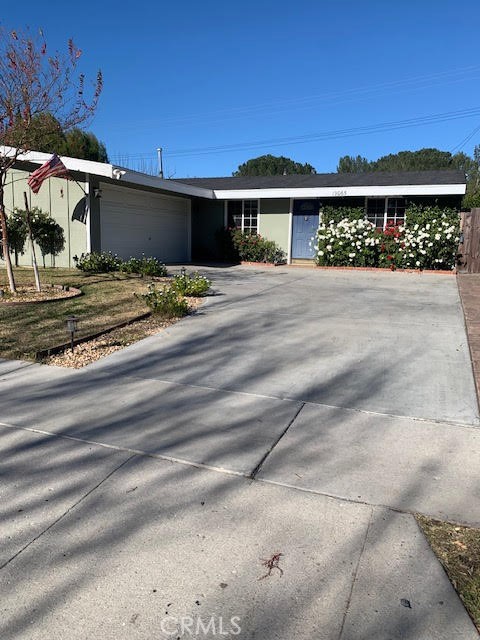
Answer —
305 225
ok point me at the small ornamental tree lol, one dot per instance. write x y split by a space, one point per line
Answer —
17 233
48 234
34 82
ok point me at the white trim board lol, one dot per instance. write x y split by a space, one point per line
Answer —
345 192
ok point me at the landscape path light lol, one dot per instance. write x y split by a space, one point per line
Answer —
72 326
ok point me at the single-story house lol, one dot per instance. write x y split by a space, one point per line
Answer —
110 208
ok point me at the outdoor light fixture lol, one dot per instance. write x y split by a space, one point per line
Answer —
72 325
183 272
118 173
97 193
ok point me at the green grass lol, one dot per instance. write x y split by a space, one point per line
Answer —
458 549
108 300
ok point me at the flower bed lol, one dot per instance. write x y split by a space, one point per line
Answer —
252 247
428 241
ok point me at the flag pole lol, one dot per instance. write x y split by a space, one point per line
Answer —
30 237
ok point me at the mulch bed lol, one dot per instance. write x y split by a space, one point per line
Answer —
29 294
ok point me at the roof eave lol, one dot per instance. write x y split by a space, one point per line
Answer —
342 192
106 170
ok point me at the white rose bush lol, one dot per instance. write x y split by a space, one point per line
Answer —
428 240
352 243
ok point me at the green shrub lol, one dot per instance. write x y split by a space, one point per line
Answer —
336 214
97 262
144 266
253 248
165 301
17 232
426 214
48 234
191 285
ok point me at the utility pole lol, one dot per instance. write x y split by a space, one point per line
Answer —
160 162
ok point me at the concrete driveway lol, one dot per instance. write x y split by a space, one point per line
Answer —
300 412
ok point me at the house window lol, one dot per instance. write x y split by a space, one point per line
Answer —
383 211
243 214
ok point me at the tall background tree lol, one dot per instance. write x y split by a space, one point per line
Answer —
269 165
422 160
42 95
49 137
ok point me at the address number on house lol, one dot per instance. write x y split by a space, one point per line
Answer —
340 193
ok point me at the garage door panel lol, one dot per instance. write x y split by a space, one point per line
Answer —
135 223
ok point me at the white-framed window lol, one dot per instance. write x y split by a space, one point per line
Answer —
243 214
384 211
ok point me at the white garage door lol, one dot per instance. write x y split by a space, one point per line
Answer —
133 222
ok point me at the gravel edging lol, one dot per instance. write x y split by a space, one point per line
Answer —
89 349
44 353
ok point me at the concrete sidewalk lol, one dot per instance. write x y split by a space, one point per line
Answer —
131 547
324 408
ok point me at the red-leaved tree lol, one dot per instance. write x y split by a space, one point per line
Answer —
38 90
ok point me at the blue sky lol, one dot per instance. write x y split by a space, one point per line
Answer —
270 77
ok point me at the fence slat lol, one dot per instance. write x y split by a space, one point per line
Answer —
470 248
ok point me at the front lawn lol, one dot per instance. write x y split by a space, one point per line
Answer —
108 300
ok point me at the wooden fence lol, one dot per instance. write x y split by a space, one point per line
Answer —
469 248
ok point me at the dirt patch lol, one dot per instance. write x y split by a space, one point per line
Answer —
458 549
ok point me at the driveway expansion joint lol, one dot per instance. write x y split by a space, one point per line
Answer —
252 476
355 574
67 511
174 383
257 469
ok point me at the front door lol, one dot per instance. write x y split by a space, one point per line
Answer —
305 225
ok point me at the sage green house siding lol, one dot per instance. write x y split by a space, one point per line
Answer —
65 201
275 220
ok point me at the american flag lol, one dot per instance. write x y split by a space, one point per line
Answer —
51 168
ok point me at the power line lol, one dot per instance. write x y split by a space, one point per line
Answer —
461 144
333 97
382 127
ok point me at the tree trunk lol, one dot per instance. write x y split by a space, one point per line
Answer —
6 248
30 235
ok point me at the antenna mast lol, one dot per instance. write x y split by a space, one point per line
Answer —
160 162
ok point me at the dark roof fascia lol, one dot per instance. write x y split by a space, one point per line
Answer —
334 180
